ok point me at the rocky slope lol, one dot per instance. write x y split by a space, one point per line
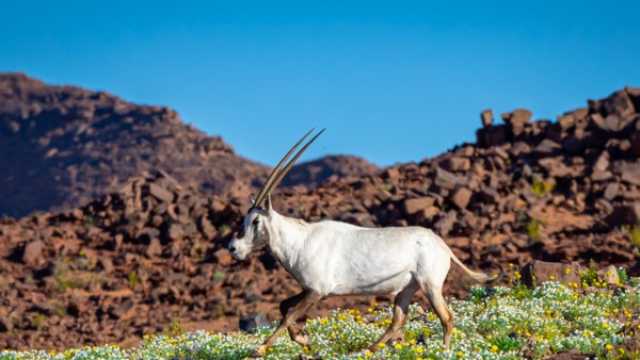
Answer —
135 261
152 253
331 167
560 190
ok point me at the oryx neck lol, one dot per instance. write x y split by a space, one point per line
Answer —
287 237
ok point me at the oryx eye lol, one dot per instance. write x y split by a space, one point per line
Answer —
255 222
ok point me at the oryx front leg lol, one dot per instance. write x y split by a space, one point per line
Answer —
306 301
400 309
291 309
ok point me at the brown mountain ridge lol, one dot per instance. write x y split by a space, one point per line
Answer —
62 146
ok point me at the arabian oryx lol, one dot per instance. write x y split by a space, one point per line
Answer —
335 258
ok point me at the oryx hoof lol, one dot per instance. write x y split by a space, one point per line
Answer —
301 339
397 338
375 347
261 351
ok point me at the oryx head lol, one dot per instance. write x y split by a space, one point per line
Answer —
254 232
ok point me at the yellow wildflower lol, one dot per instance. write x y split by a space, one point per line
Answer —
517 275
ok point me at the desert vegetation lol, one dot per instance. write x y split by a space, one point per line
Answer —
587 318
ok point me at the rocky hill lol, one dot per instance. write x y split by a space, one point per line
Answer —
63 146
563 190
315 172
152 253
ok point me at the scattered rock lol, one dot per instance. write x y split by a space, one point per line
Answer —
624 214
486 118
5 325
160 193
461 197
517 120
33 253
566 121
428 214
611 191
223 257
176 232
602 164
445 224
537 272
630 173
412 206
491 136
154 248
458 164
446 180
547 147
252 322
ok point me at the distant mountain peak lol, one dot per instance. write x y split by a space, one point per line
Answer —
62 146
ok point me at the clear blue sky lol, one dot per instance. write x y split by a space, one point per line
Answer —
392 81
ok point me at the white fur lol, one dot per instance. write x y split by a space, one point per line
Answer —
336 258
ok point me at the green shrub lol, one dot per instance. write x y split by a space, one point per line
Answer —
534 230
634 234
541 188
133 279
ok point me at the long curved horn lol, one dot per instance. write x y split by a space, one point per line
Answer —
274 172
285 170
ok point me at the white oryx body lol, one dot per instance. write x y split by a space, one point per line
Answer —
335 258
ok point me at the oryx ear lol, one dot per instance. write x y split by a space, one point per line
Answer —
269 205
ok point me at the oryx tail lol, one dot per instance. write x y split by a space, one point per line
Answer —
475 275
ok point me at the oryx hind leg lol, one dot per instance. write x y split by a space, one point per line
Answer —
400 309
433 269
446 318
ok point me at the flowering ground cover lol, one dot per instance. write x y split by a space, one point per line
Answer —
493 323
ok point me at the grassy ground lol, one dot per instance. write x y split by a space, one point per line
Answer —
498 323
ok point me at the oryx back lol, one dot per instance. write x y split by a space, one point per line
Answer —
346 259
